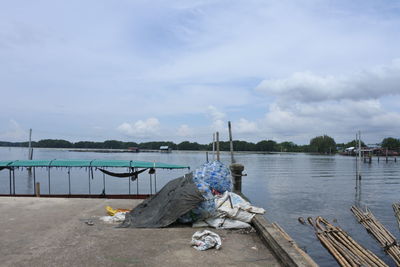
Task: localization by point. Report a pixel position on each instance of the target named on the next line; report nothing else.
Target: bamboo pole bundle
(396, 208)
(346, 251)
(381, 234)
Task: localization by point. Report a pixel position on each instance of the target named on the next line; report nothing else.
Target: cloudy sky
(179, 70)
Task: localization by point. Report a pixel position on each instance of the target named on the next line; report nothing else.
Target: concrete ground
(54, 232)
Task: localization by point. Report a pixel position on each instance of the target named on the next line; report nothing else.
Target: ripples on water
(287, 185)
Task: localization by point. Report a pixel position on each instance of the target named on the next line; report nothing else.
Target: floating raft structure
(88, 163)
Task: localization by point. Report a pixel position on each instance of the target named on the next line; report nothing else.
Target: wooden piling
(231, 142)
(217, 137)
(37, 189)
(237, 173)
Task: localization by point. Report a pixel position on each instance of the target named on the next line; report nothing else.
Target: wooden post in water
(217, 138)
(387, 155)
(237, 173)
(231, 142)
(213, 146)
(357, 167)
(359, 154)
(30, 152)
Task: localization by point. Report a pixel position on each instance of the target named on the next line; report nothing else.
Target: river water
(287, 185)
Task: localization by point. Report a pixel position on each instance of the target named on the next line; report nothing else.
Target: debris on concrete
(116, 218)
(89, 222)
(203, 240)
(111, 211)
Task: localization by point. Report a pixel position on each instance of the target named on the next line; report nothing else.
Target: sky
(180, 70)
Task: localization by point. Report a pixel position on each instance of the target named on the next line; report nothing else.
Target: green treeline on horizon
(319, 144)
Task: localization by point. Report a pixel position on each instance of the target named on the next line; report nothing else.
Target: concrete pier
(54, 232)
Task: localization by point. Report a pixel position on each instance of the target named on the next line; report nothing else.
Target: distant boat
(165, 149)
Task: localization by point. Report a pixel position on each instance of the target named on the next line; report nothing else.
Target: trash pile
(114, 215)
(203, 198)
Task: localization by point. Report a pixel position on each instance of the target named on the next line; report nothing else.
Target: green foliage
(266, 145)
(114, 144)
(323, 144)
(88, 144)
(186, 145)
(244, 146)
(50, 143)
(319, 144)
(391, 143)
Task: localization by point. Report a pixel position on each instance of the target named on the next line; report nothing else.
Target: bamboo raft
(396, 208)
(346, 251)
(379, 232)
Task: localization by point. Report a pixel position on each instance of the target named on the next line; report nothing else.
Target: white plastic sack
(117, 218)
(226, 223)
(203, 240)
(235, 207)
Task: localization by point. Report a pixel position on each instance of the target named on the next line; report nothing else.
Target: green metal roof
(89, 163)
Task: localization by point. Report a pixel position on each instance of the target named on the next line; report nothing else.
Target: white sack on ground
(226, 223)
(233, 212)
(203, 240)
(235, 207)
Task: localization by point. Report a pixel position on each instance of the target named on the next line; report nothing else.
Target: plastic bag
(203, 240)
(116, 218)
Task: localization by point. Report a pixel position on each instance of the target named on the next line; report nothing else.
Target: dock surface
(54, 232)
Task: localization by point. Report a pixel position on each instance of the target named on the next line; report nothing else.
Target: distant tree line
(320, 144)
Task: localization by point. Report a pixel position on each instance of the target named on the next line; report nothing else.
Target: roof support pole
(34, 180)
(49, 178)
(155, 182)
(151, 185)
(14, 182)
(69, 180)
(129, 183)
(90, 192)
(104, 183)
(137, 184)
(10, 183)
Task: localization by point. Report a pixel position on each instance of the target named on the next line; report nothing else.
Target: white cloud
(309, 87)
(340, 119)
(244, 126)
(218, 122)
(140, 128)
(14, 132)
(185, 131)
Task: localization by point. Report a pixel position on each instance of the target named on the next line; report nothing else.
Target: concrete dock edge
(285, 249)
